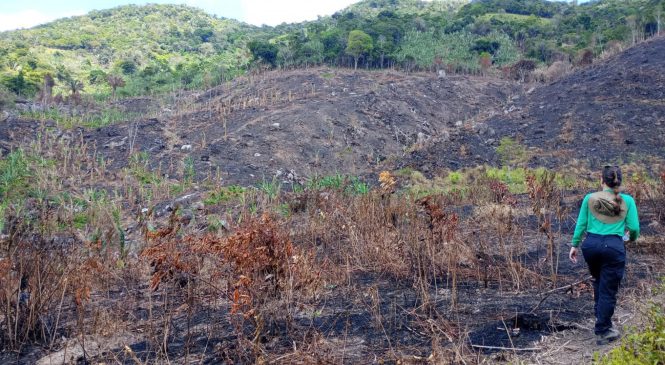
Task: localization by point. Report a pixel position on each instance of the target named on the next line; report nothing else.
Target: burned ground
(299, 124)
(612, 111)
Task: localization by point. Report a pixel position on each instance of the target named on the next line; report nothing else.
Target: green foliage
(515, 178)
(511, 152)
(127, 67)
(641, 346)
(189, 172)
(270, 188)
(357, 187)
(139, 168)
(96, 77)
(455, 177)
(126, 40)
(14, 175)
(20, 82)
(349, 184)
(159, 48)
(264, 51)
(97, 119)
(6, 98)
(224, 194)
(334, 182)
(359, 44)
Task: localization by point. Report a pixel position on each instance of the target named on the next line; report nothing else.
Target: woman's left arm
(632, 220)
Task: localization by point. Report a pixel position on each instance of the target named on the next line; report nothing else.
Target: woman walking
(605, 216)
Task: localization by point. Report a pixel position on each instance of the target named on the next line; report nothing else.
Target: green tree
(359, 43)
(267, 52)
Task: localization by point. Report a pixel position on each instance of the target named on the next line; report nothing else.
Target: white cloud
(29, 18)
(273, 12)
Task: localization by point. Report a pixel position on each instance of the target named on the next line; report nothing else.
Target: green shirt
(586, 222)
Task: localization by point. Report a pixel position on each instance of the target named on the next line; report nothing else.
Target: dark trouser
(606, 257)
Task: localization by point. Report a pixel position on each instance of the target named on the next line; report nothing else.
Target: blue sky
(21, 14)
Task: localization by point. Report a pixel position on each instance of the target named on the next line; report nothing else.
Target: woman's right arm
(582, 220)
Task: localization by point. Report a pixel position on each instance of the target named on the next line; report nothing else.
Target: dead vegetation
(328, 274)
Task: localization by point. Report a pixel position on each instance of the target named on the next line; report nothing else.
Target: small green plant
(511, 152)
(335, 182)
(284, 210)
(224, 194)
(14, 174)
(515, 178)
(270, 188)
(80, 220)
(357, 187)
(455, 177)
(189, 172)
(140, 169)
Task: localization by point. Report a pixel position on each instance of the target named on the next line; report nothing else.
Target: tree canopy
(157, 48)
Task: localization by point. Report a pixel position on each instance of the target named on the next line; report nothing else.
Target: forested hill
(150, 46)
(156, 48)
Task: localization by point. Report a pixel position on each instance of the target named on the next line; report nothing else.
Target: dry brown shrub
(612, 48)
(40, 276)
(557, 70)
(584, 57)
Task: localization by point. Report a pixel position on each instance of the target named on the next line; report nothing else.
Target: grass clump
(224, 194)
(350, 184)
(14, 173)
(140, 169)
(515, 178)
(99, 119)
(511, 152)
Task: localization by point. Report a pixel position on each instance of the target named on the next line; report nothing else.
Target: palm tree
(75, 86)
(115, 82)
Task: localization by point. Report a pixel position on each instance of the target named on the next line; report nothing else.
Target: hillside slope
(154, 45)
(298, 124)
(611, 112)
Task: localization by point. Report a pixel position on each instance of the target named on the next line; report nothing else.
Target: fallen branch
(567, 286)
(506, 348)
(549, 292)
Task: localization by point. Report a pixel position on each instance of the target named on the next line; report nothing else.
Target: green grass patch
(224, 194)
(140, 169)
(80, 220)
(335, 182)
(515, 178)
(517, 19)
(89, 120)
(270, 188)
(511, 152)
(349, 184)
(14, 175)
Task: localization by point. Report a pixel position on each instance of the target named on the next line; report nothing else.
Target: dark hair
(612, 178)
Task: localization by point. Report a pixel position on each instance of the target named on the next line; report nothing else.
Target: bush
(6, 98)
